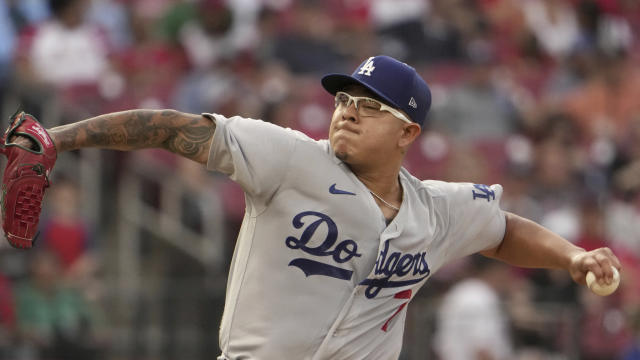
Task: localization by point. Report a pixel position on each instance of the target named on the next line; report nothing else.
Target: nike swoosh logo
(333, 190)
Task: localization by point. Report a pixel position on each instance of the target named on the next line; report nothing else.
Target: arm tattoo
(187, 135)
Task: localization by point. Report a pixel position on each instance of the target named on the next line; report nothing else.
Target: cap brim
(337, 82)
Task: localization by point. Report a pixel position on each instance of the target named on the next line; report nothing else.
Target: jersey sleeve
(253, 153)
(475, 220)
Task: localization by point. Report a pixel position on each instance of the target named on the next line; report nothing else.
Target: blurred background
(542, 96)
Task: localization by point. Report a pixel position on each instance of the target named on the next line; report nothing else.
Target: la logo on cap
(367, 68)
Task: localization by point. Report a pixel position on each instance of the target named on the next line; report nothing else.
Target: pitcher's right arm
(187, 135)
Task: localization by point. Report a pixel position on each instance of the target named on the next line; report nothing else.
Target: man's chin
(342, 151)
(343, 156)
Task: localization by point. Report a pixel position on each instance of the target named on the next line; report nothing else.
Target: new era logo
(412, 103)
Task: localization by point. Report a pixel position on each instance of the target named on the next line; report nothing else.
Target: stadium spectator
(307, 45)
(64, 54)
(607, 102)
(477, 109)
(151, 67)
(54, 321)
(471, 321)
(64, 231)
(554, 25)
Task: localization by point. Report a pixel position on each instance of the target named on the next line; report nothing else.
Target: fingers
(600, 262)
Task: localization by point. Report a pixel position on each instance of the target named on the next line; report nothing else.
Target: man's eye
(371, 105)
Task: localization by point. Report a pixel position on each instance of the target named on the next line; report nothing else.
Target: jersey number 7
(405, 294)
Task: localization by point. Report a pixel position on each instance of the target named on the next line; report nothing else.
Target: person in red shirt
(64, 231)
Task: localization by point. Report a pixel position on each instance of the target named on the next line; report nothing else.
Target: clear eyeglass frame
(367, 106)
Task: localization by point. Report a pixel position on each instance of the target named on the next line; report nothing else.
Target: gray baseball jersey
(317, 273)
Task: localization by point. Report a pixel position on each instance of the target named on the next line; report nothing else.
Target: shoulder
(255, 125)
(267, 134)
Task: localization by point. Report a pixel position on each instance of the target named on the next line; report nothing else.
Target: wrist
(57, 137)
(573, 257)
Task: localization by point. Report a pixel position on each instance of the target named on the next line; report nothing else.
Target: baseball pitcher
(337, 237)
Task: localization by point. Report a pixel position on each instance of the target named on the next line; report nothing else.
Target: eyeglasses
(367, 106)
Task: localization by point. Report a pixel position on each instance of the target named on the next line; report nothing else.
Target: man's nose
(350, 113)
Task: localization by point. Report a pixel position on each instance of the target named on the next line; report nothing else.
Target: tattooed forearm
(187, 135)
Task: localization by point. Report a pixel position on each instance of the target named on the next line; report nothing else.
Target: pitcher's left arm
(528, 244)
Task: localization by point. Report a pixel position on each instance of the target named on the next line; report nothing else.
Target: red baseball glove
(25, 178)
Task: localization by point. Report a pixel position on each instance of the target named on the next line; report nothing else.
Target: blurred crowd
(542, 96)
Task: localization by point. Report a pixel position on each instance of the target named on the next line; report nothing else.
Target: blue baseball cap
(393, 81)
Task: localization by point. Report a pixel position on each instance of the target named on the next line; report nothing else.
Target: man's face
(360, 138)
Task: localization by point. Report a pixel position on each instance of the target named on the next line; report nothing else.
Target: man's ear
(409, 134)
